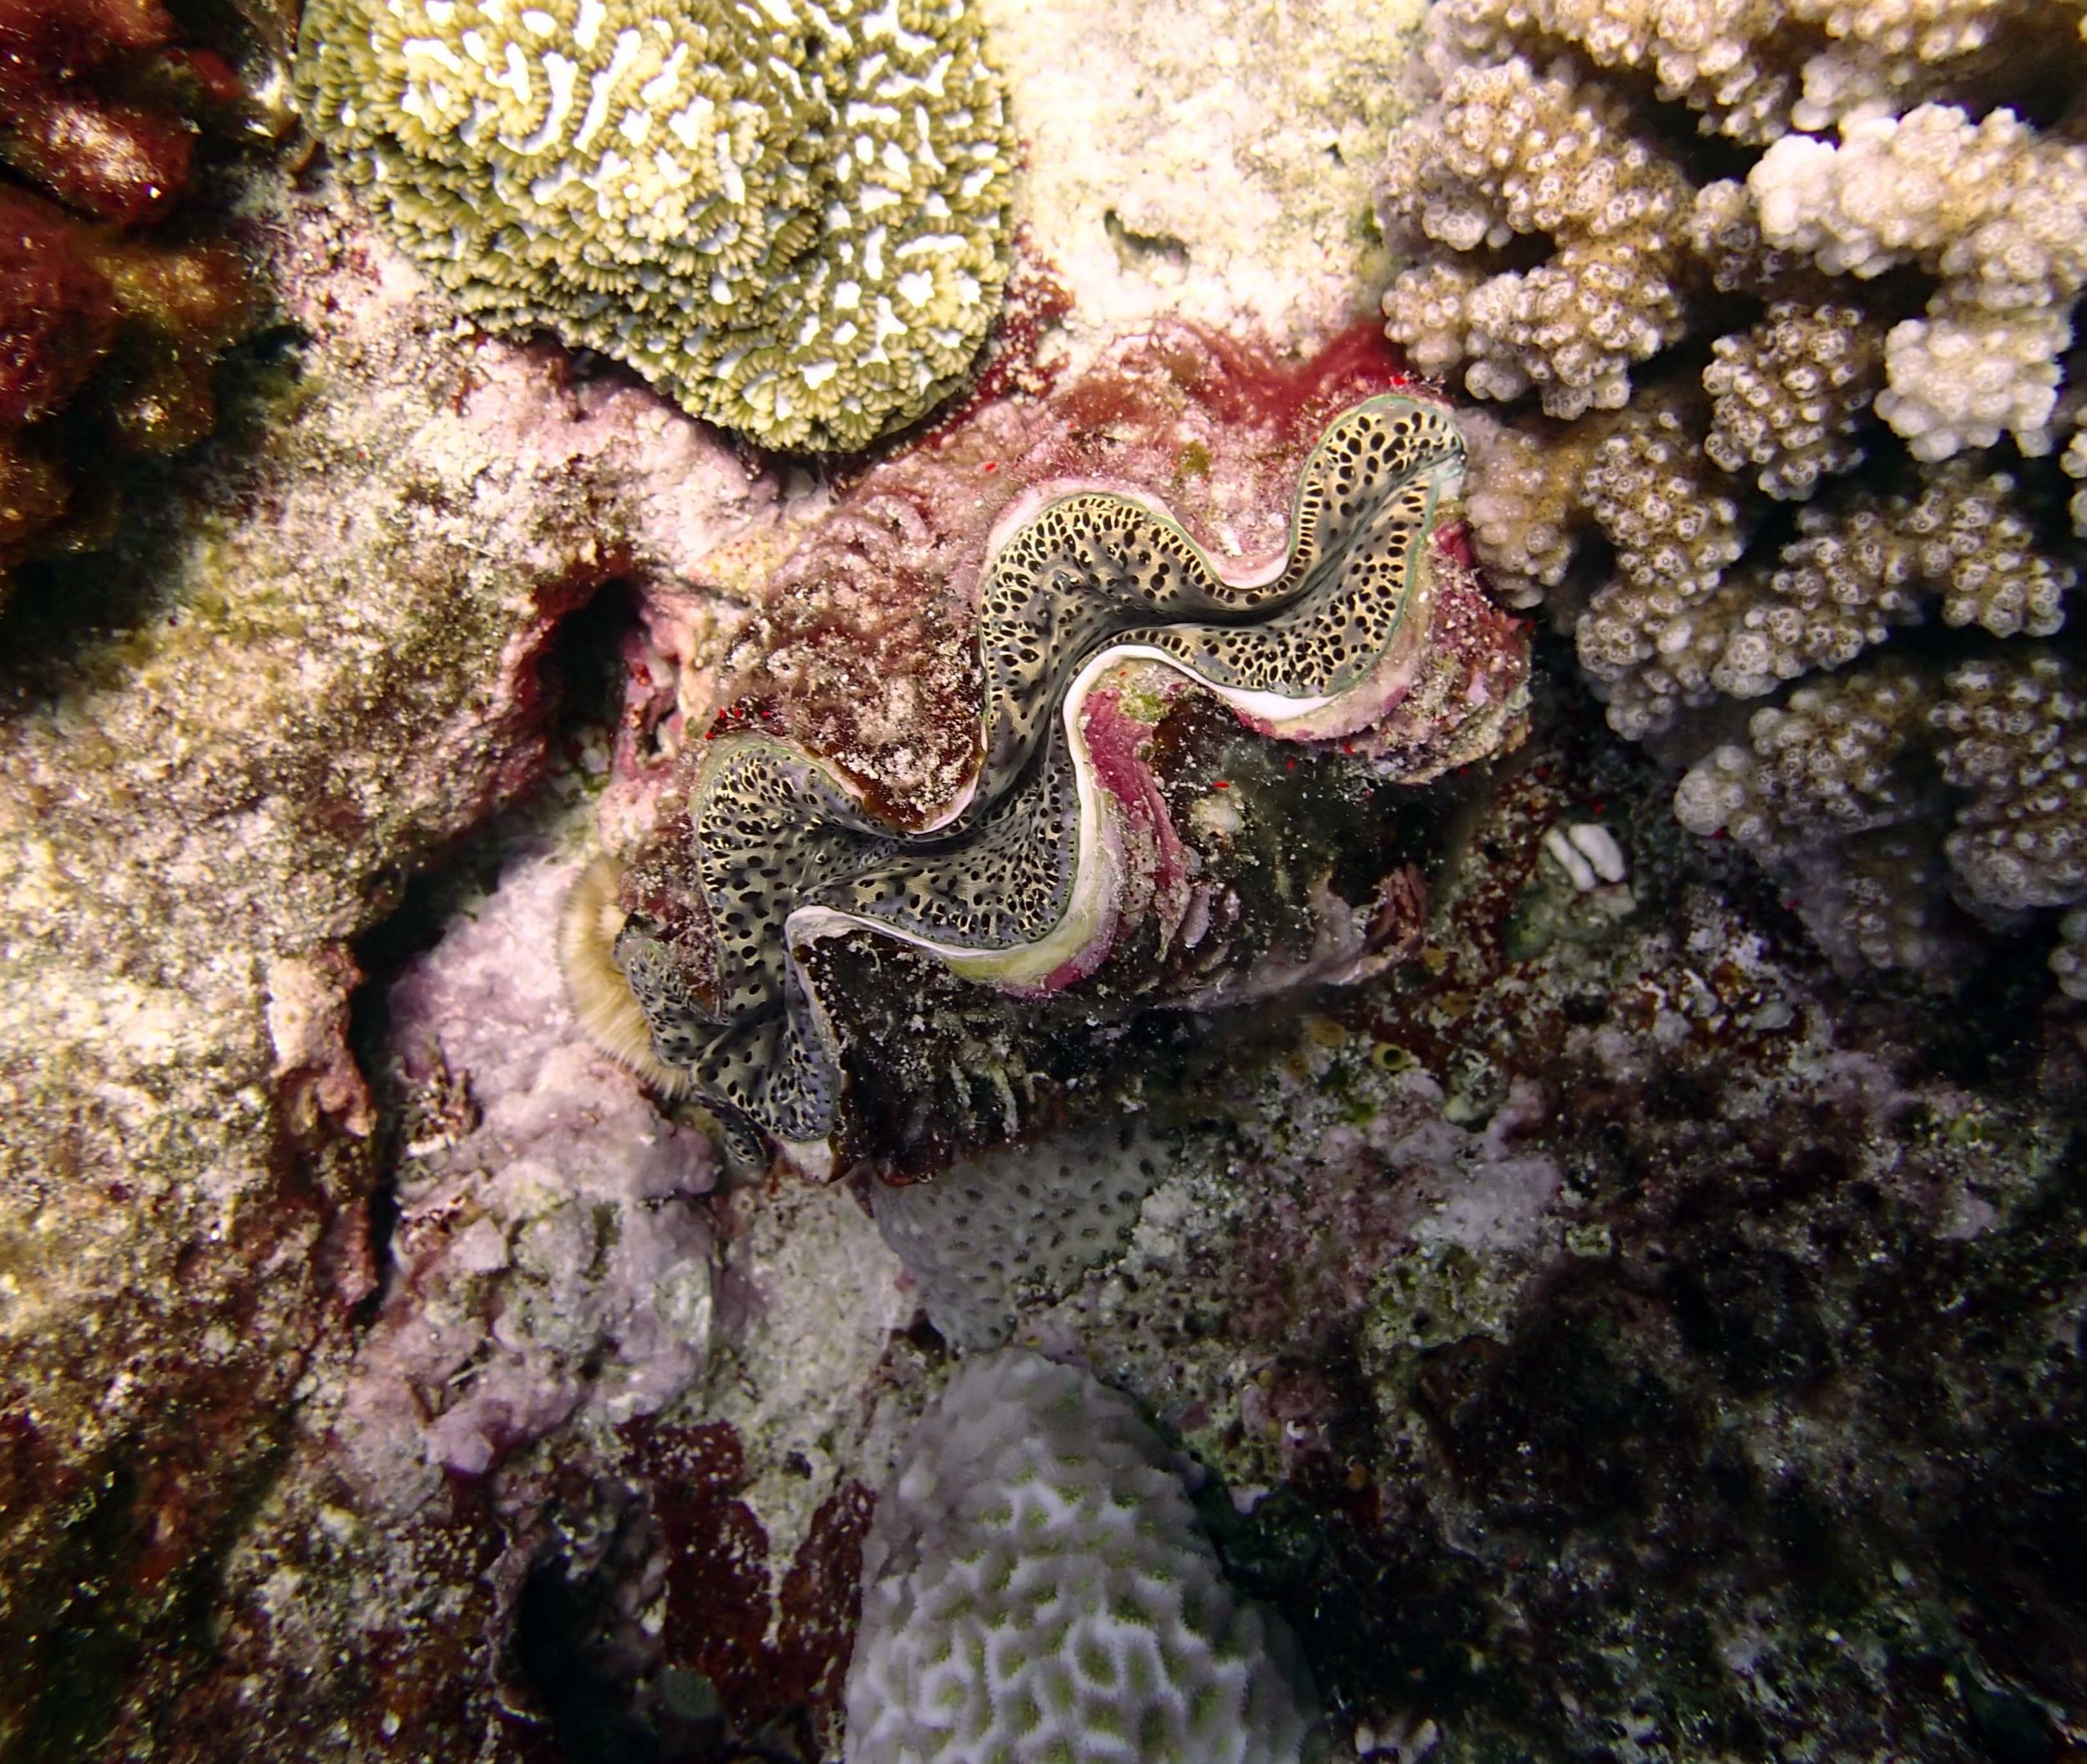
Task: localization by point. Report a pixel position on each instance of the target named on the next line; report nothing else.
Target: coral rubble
(1101, 629)
(550, 1262)
(797, 225)
(1853, 295)
(1034, 1575)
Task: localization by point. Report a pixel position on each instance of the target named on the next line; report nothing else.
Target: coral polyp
(1098, 613)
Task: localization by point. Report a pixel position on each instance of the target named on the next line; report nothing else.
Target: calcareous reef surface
(966, 878)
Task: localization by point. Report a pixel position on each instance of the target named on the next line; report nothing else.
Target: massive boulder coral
(1855, 296)
(793, 219)
(1131, 830)
(1035, 1585)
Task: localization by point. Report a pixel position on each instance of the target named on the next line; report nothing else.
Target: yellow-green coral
(792, 217)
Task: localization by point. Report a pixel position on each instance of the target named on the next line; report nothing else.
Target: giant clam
(1097, 856)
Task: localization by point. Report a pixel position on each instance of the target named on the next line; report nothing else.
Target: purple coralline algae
(548, 1261)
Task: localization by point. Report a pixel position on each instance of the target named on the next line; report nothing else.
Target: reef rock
(264, 711)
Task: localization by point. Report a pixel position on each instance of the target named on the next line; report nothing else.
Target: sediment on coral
(796, 224)
(1776, 403)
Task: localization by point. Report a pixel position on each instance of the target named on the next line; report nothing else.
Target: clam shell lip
(1253, 570)
(1067, 951)
(1334, 644)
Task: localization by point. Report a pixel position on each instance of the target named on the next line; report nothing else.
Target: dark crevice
(582, 678)
(1144, 248)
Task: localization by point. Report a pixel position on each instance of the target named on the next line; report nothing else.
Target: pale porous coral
(997, 1233)
(1992, 209)
(1789, 396)
(1751, 69)
(1858, 568)
(2075, 463)
(792, 219)
(1842, 322)
(1612, 202)
(1035, 1585)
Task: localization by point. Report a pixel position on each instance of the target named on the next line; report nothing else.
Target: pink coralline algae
(1145, 764)
(552, 1261)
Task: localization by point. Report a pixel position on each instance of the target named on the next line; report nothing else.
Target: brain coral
(1035, 1587)
(1771, 403)
(792, 217)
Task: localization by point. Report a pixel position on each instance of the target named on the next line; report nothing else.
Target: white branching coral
(1886, 794)
(1035, 1586)
(1789, 397)
(1859, 569)
(1513, 152)
(2075, 464)
(1997, 213)
(1859, 300)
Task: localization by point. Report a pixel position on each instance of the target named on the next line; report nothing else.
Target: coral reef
(1854, 295)
(548, 1262)
(1603, 1334)
(1846, 785)
(795, 225)
(1063, 860)
(1034, 1574)
(281, 691)
(115, 302)
(102, 104)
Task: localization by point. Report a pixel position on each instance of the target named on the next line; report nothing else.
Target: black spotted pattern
(777, 833)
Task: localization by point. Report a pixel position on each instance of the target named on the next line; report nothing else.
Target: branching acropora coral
(792, 217)
(1859, 300)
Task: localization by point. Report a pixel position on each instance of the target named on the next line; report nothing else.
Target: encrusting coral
(1035, 1585)
(1855, 297)
(1002, 1231)
(792, 219)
